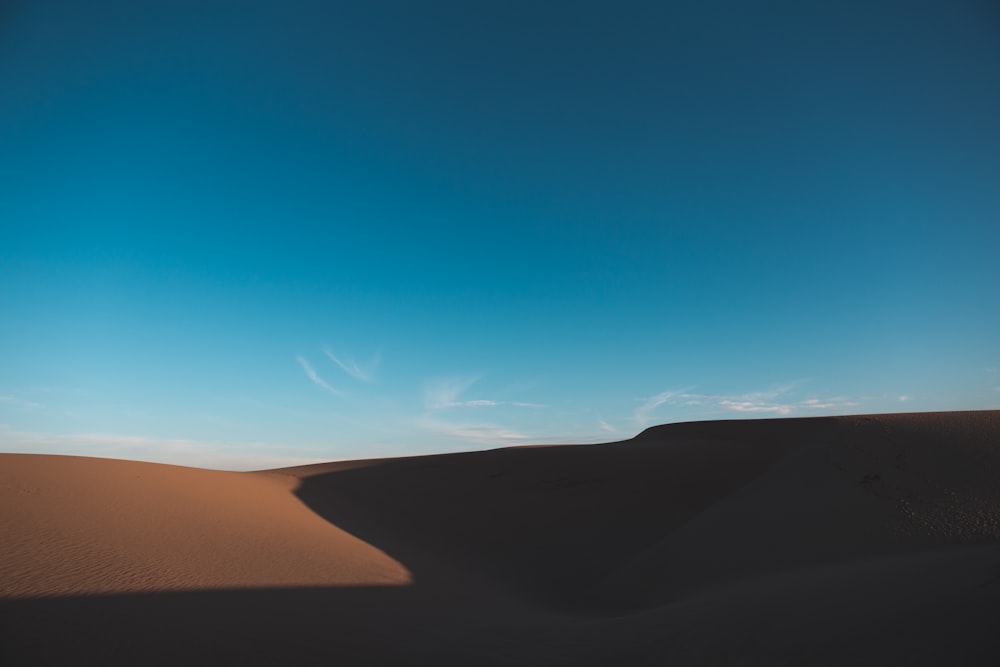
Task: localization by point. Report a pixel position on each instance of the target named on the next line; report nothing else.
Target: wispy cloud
(446, 393)
(10, 399)
(486, 403)
(176, 451)
(605, 426)
(364, 373)
(775, 401)
(480, 434)
(754, 406)
(312, 375)
(642, 413)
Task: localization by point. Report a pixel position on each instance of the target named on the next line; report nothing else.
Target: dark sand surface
(865, 540)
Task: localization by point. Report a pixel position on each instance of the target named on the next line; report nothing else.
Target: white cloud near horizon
(312, 375)
(478, 403)
(760, 402)
(16, 401)
(171, 451)
(751, 406)
(642, 413)
(481, 434)
(605, 426)
(444, 393)
(348, 365)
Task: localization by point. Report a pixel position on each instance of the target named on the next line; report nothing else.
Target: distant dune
(863, 540)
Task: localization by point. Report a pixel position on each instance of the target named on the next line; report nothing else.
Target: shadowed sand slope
(848, 540)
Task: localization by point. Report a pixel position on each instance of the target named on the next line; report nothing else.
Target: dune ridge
(830, 540)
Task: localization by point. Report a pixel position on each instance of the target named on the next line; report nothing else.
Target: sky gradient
(244, 235)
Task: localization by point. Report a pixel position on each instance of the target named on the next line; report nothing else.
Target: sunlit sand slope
(76, 525)
(826, 541)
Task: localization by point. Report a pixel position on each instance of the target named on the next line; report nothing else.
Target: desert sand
(863, 540)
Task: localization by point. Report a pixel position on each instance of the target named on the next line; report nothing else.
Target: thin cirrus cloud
(643, 412)
(483, 434)
(364, 373)
(178, 451)
(16, 401)
(314, 376)
(605, 426)
(755, 406)
(761, 402)
(446, 393)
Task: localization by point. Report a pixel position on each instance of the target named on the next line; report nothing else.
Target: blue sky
(252, 234)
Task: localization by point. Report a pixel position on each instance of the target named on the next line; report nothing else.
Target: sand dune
(84, 525)
(826, 541)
